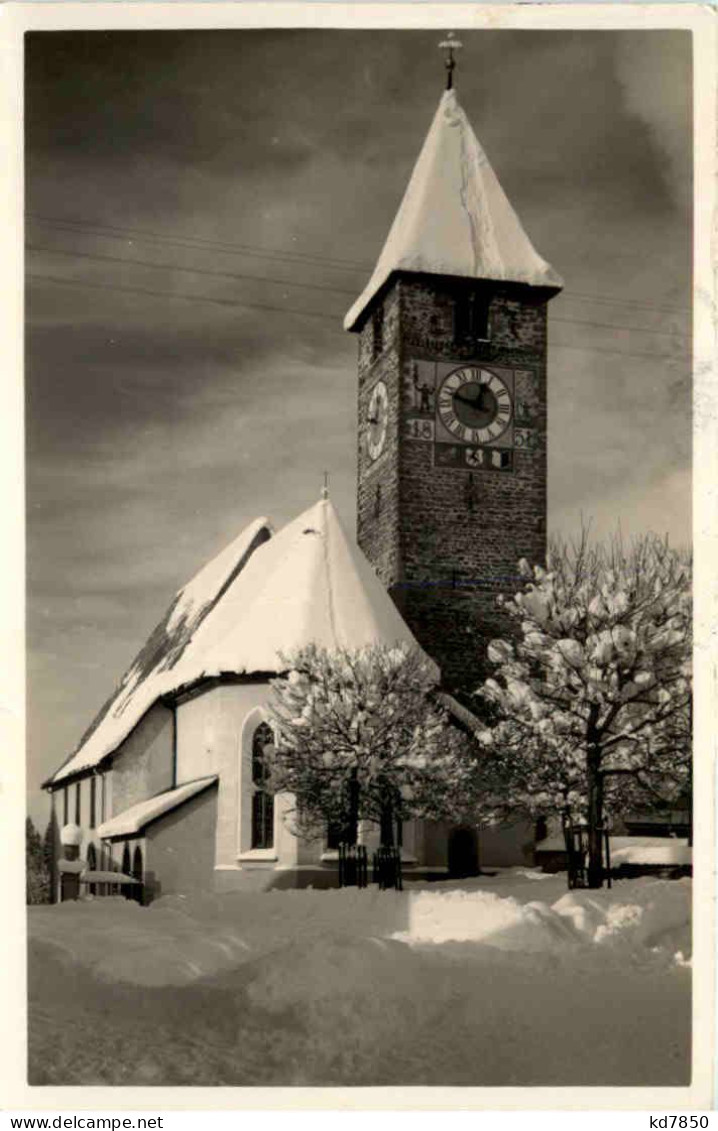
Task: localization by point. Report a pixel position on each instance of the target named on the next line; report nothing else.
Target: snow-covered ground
(492, 981)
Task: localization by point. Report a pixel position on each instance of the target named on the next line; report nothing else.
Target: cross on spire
(450, 45)
(325, 488)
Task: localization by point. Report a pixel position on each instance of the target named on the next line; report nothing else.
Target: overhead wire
(177, 295)
(110, 231)
(194, 243)
(237, 275)
(335, 320)
(245, 277)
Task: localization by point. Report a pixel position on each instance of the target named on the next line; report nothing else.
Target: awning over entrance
(134, 819)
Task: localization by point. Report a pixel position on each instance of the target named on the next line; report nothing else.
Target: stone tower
(452, 400)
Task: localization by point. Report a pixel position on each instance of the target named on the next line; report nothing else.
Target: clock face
(377, 419)
(475, 405)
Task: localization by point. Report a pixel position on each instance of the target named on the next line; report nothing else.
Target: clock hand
(474, 402)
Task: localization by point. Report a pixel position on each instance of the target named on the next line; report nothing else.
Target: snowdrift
(436, 985)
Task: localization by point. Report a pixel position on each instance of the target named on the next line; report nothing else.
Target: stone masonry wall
(462, 533)
(378, 481)
(449, 540)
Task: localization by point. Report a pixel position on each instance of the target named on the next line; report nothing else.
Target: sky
(202, 207)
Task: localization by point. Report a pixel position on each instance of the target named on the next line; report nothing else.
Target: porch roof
(133, 820)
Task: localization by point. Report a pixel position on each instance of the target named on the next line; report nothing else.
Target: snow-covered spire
(455, 218)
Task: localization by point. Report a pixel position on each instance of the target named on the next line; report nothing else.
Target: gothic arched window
(262, 799)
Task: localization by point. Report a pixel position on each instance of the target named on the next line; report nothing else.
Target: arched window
(137, 872)
(262, 799)
(126, 869)
(108, 865)
(92, 865)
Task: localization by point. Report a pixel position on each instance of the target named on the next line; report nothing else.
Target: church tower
(452, 400)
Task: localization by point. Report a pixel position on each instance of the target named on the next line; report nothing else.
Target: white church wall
(73, 805)
(504, 846)
(106, 807)
(180, 848)
(431, 844)
(142, 766)
(209, 733)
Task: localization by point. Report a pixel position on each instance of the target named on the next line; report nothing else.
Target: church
(166, 789)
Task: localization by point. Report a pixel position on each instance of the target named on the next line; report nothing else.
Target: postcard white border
(15, 20)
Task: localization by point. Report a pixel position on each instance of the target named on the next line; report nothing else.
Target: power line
(582, 296)
(243, 277)
(177, 294)
(195, 242)
(111, 231)
(664, 357)
(334, 319)
(189, 270)
(615, 326)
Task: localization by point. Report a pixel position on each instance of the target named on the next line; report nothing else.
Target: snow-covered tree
(361, 736)
(50, 846)
(37, 877)
(594, 691)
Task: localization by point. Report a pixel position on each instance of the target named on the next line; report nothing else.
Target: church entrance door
(463, 852)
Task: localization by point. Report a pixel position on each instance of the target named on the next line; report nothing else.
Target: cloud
(656, 504)
(654, 72)
(157, 426)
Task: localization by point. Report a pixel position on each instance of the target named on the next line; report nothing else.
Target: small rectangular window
(65, 806)
(377, 331)
(78, 805)
(93, 801)
(471, 316)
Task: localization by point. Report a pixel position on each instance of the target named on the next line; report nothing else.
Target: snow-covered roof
(669, 852)
(262, 598)
(151, 673)
(101, 876)
(633, 849)
(134, 819)
(455, 218)
(310, 584)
